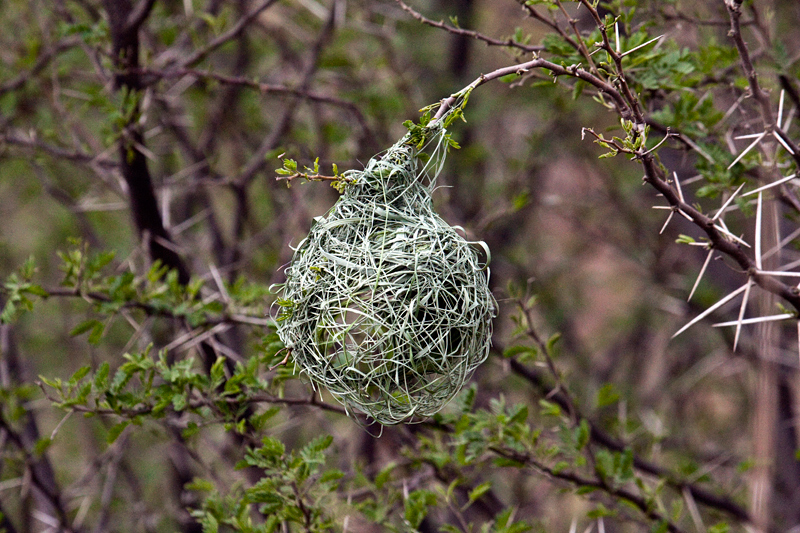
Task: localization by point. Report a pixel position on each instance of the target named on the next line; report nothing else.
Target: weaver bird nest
(385, 304)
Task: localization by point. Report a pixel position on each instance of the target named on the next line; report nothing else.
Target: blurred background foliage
(586, 414)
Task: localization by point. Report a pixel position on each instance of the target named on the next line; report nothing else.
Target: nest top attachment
(385, 304)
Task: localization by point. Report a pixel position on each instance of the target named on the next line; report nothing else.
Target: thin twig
(509, 43)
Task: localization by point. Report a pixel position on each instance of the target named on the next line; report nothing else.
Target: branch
(574, 71)
(158, 311)
(76, 156)
(232, 33)
(257, 160)
(200, 403)
(509, 43)
(259, 86)
(600, 437)
(139, 14)
(42, 62)
(38, 467)
(629, 108)
(133, 163)
(573, 479)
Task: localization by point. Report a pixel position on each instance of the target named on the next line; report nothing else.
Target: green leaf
(81, 373)
(599, 512)
(384, 475)
(513, 351)
(479, 491)
(607, 395)
(41, 446)
(97, 333)
(549, 408)
(551, 343)
(83, 327)
(115, 431)
(36, 290)
(416, 506)
(719, 527)
(101, 376)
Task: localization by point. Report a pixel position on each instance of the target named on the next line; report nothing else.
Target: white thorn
(642, 45)
(756, 320)
(711, 309)
(730, 235)
(700, 275)
(770, 185)
(727, 203)
(678, 186)
(669, 217)
(758, 140)
(780, 273)
(742, 309)
(758, 231)
(783, 143)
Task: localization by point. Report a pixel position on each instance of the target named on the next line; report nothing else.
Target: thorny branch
(629, 108)
(760, 95)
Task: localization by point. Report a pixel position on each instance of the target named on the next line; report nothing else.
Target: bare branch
(509, 43)
(139, 14)
(232, 33)
(41, 63)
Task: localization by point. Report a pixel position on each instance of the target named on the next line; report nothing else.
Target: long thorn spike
(678, 186)
(770, 185)
(711, 309)
(742, 309)
(700, 275)
(750, 147)
(755, 320)
(758, 231)
(669, 217)
(727, 202)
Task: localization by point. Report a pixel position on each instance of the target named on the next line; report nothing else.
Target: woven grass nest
(385, 305)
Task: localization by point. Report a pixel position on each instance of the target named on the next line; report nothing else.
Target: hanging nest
(385, 304)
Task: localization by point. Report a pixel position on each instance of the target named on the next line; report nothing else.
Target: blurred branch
(265, 88)
(75, 156)
(550, 23)
(232, 33)
(38, 468)
(160, 311)
(597, 483)
(133, 162)
(43, 60)
(509, 43)
(761, 96)
(138, 15)
(272, 140)
(600, 437)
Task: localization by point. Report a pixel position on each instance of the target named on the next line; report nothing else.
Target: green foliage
(295, 488)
